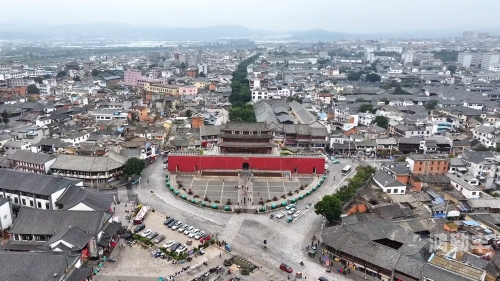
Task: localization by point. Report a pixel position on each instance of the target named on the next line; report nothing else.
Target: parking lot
(137, 260)
(267, 190)
(214, 190)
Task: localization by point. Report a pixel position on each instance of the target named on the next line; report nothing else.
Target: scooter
(302, 263)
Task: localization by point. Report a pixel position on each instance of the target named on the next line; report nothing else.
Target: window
(47, 206)
(23, 201)
(251, 133)
(39, 205)
(233, 132)
(241, 132)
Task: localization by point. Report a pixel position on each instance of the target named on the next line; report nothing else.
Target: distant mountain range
(37, 31)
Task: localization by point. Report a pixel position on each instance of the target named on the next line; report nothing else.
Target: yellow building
(160, 88)
(200, 83)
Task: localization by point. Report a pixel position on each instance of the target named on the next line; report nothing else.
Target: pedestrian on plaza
(220, 255)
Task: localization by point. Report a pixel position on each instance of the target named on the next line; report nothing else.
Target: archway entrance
(246, 166)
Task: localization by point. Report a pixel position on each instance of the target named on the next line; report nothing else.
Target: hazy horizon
(353, 16)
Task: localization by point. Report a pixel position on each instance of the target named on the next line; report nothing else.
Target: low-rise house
(388, 183)
(5, 214)
(31, 162)
(469, 191)
(485, 135)
(33, 190)
(92, 170)
(17, 145)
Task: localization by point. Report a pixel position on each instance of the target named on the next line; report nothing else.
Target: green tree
(431, 105)
(189, 113)
(32, 89)
(61, 74)
(367, 107)
(452, 69)
(5, 116)
(446, 55)
(353, 76)
(478, 118)
(243, 113)
(77, 78)
(38, 80)
(295, 98)
(372, 77)
(330, 207)
(202, 74)
(183, 66)
(133, 166)
(95, 72)
(482, 147)
(381, 121)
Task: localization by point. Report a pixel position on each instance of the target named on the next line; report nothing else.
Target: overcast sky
(360, 16)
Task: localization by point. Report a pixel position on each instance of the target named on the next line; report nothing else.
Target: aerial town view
(250, 140)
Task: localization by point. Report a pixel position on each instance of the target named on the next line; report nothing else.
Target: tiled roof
(89, 163)
(33, 183)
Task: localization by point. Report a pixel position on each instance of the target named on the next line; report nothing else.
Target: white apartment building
(108, 114)
(484, 134)
(495, 67)
(258, 94)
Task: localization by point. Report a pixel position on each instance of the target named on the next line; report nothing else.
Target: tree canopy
(367, 107)
(446, 55)
(189, 113)
(331, 205)
(32, 89)
(95, 72)
(38, 80)
(133, 166)
(431, 105)
(452, 69)
(241, 93)
(354, 76)
(61, 74)
(381, 121)
(372, 77)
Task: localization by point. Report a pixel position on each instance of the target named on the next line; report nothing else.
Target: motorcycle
(301, 263)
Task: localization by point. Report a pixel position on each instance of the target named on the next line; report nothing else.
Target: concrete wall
(193, 163)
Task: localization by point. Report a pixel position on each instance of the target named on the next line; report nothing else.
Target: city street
(246, 232)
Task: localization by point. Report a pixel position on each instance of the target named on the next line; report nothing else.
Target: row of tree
(331, 205)
(370, 77)
(241, 93)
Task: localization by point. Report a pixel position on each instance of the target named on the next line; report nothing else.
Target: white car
(188, 230)
(199, 234)
(181, 248)
(182, 228)
(169, 244)
(193, 232)
(177, 225)
(297, 214)
(146, 233)
(291, 211)
(280, 215)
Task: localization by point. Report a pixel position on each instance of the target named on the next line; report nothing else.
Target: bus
(347, 170)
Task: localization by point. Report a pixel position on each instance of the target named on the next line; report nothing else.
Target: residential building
(160, 88)
(131, 77)
(467, 190)
(258, 94)
(428, 164)
(108, 114)
(33, 190)
(200, 82)
(485, 135)
(5, 214)
(38, 163)
(488, 59)
(388, 183)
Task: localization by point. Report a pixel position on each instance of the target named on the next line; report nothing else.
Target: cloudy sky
(360, 16)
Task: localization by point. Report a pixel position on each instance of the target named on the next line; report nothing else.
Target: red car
(205, 238)
(286, 268)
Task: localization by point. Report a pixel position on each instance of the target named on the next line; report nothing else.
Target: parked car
(177, 225)
(139, 228)
(290, 206)
(152, 235)
(181, 248)
(159, 239)
(280, 215)
(297, 214)
(193, 232)
(175, 246)
(291, 211)
(168, 221)
(169, 244)
(205, 238)
(200, 233)
(271, 216)
(172, 223)
(335, 161)
(188, 230)
(286, 267)
(182, 228)
(146, 233)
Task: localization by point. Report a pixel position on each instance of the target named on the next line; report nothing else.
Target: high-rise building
(470, 35)
(488, 59)
(131, 77)
(467, 59)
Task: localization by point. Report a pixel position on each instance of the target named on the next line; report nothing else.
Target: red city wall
(193, 163)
